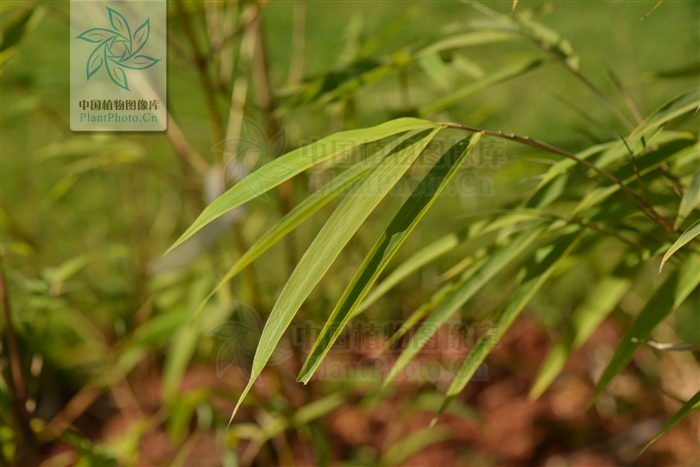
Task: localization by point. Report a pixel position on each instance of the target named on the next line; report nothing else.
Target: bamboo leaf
(435, 300)
(414, 442)
(340, 227)
(496, 262)
(301, 212)
(468, 39)
(684, 103)
(536, 276)
(467, 90)
(272, 174)
(585, 319)
(692, 232)
(416, 261)
(412, 211)
(665, 300)
(690, 406)
(690, 200)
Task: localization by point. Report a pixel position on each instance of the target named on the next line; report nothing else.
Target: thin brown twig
(18, 381)
(647, 209)
(636, 167)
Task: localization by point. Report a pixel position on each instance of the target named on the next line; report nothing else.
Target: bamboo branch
(647, 208)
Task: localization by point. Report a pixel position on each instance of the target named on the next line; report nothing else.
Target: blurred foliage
(104, 363)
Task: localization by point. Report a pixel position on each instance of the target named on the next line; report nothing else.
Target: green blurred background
(116, 376)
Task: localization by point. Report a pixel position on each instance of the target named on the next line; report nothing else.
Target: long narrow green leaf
(499, 260)
(627, 174)
(416, 261)
(439, 248)
(688, 407)
(272, 174)
(412, 211)
(536, 276)
(412, 443)
(600, 302)
(665, 300)
(364, 196)
(692, 232)
(468, 39)
(302, 211)
(442, 294)
(467, 90)
(684, 103)
(690, 200)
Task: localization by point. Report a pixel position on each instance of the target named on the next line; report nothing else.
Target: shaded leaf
(585, 319)
(14, 30)
(690, 200)
(476, 280)
(692, 232)
(665, 300)
(469, 89)
(690, 406)
(536, 276)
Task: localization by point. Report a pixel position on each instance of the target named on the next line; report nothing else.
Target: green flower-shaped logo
(118, 49)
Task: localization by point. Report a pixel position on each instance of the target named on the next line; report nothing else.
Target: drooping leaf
(14, 29)
(364, 196)
(690, 406)
(469, 89)
(585, 319)
(535, 277)
(665, 300)
(684, 103)
(301, 212)
(435, 300)
(692, 232)
(435, 68)
(416, 261)
(413, 210)
(495, 263)
(277, 171)
(690, 200)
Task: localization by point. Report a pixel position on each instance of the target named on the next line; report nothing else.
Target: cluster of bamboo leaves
(639, 189)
